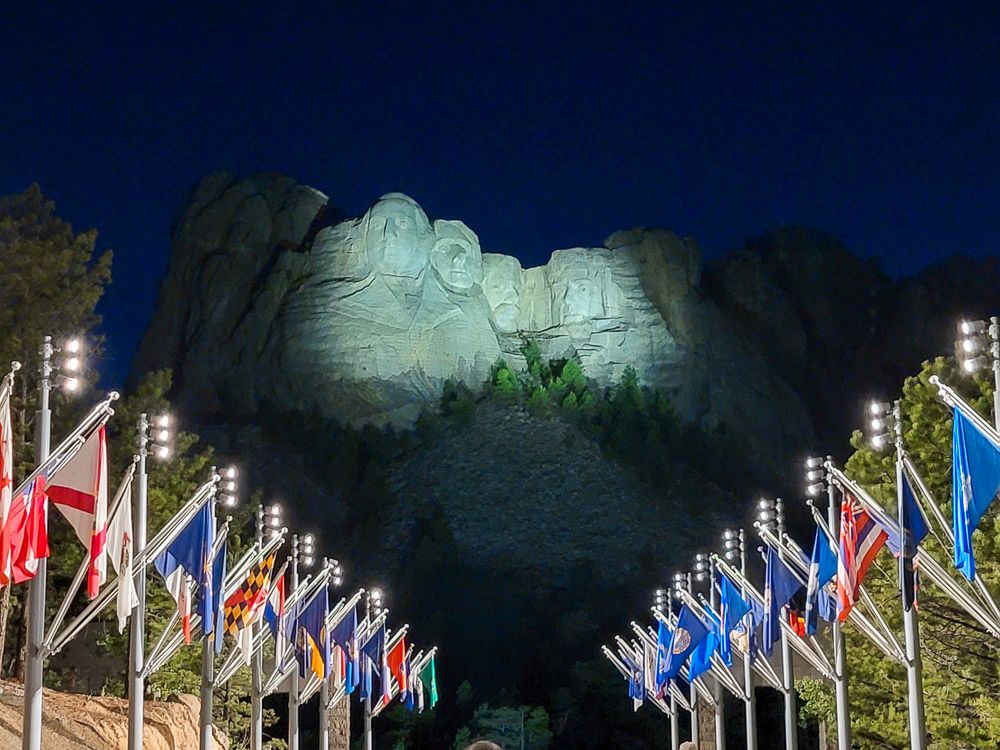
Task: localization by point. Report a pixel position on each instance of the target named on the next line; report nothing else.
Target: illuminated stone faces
(397, 236)
(456, 257)
(577, 279)
(503, 280)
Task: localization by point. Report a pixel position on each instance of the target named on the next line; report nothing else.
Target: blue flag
(216, 625)
(733, 609)
(975, 480)
(662, 649)
(780, 585)
(822, 568)
(345, 635)
(312, 648)
(688, 634)
(701, 657)
(914, 527)
(371, 659)
(191, 550)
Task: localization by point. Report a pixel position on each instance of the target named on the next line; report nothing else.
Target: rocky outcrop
(85, 722)
(270, 301)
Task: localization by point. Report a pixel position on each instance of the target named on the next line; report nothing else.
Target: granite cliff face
(271, 299)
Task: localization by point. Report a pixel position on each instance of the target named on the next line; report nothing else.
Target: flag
(975, 480)
(914, 529)
(688, 633)
(660, 678)
(649, 667)
(188, 556)
(733, 608)
(345, 636)
(418, 688)
(780, 585)
(428, 677)
(80, 491)
(119, 542)
(312, 647)
(860, 540)
(274, 606)
(635, 686)
(411, 686)
(822, 568)
(25, 538)
(245, 603)
(213, 628)
(396, 660)
(701, 657)
(371, 658)
(6, 475)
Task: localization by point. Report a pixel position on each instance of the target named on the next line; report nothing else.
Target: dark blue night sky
(540, 125)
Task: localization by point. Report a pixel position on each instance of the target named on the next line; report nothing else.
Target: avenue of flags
(688, 652)
(238, 606)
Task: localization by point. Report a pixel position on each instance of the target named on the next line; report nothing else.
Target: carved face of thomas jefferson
(456, 257)
(398, 236)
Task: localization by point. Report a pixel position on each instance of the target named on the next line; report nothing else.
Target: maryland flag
(242, 607)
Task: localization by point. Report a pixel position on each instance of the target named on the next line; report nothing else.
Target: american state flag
(861, 538)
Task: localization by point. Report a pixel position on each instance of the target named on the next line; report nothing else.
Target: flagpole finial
(15, 366)
(114, 396)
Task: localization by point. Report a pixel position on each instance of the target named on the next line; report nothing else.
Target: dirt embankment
(85, 722)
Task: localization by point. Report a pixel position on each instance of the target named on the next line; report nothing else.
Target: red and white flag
(80, 491)
(25, 540)
(119, 541)
(6, 474)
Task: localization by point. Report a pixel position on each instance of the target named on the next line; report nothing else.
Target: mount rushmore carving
(269, 301)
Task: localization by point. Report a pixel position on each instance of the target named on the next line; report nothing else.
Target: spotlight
(73, 346)
(230, 472)
(879, 442)
(162, 452)
(162, 421)
(970, 327)
(71, 384)
(815, 490)
(72, 364)
(975, 364)
(229, 500)
(815, 462)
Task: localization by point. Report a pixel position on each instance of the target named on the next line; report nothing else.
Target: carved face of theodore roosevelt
(398, 236)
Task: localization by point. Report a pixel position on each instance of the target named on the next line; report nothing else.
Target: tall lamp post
(60, 374)
(771, 515)
(704, 572)
(682, 583)
(153, 437)
(268, 525)
(887, 430)
(818, 482)
(302, 554)
(734, 547)
(373, 608)
(336, 578)
(662, 600)
(225, 492)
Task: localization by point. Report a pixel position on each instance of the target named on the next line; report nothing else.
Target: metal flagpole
(137, 624)
(293, 678)
(911, 628)
(720, 695)
(695, 734)
(750, 707)
(207, 663)
(257, 666)
(675, 728)
(839, 642)
(787, 668)
(31, 735)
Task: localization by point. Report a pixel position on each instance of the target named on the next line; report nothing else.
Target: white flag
(119, 544)
(80, 491)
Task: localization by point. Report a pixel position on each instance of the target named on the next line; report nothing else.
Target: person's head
(398, 235)
(483, 745)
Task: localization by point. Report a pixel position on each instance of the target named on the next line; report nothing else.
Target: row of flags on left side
(79, 490)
